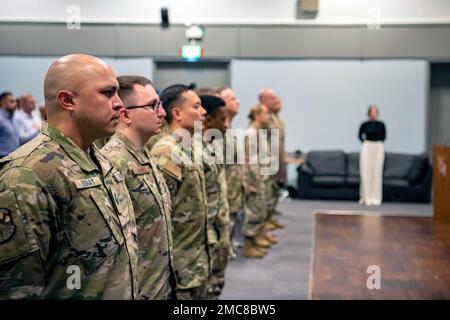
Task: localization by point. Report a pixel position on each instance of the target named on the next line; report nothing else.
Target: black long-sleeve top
(372, 131)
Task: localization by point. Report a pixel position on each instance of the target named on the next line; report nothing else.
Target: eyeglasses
(154, 106)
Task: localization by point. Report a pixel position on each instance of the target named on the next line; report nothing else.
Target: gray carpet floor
(284, 273)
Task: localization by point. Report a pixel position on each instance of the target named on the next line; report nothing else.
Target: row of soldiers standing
(126, 221)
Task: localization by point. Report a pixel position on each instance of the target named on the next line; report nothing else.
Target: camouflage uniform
(186, 183)
(100, 143)
(61, 208)
(272, 188)
(165, 130)
(152, 206)
(218, 221)
(255, 203)
(234, 175)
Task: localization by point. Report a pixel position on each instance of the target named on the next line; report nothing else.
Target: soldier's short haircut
(173, 95)
(211, 104)
(126, 86)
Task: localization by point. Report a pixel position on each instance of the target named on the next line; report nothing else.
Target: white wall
(227, 11)
(132, 66)
(325, 101)
(26, 74)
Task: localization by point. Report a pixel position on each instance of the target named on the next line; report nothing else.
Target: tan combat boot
(261, 241)
(268, 225)
(249, 250)
(273, 239)
(275, 223)
(262, 250)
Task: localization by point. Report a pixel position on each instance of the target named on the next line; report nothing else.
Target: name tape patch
(88, 183)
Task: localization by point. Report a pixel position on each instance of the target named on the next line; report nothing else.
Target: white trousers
(371, 162)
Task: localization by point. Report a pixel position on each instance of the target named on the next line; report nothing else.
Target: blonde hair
(370, 108)
(255, 111)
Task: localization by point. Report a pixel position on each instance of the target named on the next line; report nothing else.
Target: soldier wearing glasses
(139, 120)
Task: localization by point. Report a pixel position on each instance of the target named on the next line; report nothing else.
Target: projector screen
(325, 101)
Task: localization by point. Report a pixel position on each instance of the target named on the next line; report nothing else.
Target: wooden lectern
(441, 184)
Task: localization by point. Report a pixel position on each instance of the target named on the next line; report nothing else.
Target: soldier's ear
(124, 115)
(208, 122)
(66, 99)
(176, 113)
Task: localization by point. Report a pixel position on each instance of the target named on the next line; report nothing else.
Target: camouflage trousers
(272, 193)
(255, 213)
(196, 293)
(219, 256)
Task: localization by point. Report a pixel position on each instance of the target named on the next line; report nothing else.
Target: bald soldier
(67, 228)
(186, 181)
(269, 98)
(139, 120)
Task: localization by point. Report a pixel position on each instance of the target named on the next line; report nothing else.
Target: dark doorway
(204, 74)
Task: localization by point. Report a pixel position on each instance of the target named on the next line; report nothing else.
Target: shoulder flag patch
(7, 226)
(169, 167)
(140, 170)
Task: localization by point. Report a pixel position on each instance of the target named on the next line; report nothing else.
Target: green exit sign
(191, 52)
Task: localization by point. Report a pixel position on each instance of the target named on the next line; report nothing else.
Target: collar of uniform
(105, 165)
(252, 126)
(179, 153)
(175, 142)
(152, 160)
(138, 154)
(72, 150)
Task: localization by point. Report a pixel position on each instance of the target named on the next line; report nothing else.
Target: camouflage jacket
(152, 208)
(186, 183)
(275, 122)
(234, 175)
(67, 227)
(217, 199)
(165, 130)
(252, 169)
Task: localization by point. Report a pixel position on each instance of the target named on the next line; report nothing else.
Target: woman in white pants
(372, 134)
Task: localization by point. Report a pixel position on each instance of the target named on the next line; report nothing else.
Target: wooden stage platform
(412, 253)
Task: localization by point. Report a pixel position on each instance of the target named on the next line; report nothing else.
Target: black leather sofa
(335, 175)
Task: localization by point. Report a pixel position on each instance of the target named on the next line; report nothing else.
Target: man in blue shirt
(27, 120)
(9, 137)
